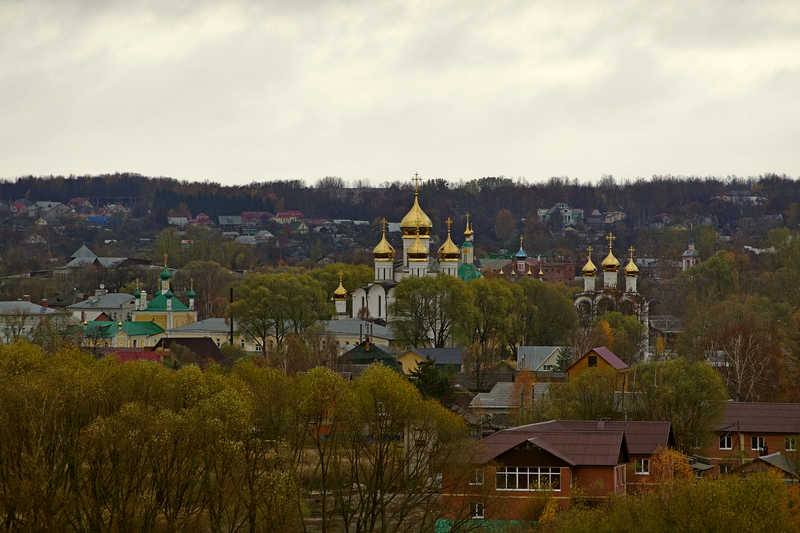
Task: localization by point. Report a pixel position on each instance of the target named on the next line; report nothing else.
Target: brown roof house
(515, 464)
(754, 429)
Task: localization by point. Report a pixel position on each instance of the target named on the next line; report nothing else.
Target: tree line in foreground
(93, 445)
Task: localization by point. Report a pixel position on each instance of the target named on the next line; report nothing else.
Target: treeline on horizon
(329, 197)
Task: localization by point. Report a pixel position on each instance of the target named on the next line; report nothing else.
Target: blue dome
(521, 254)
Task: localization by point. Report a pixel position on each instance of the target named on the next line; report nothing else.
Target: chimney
(367, 343)
(26, 297)
(44, 302)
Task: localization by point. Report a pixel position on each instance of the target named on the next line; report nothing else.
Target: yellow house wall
(158, 318)
(410, 362)
(582, 365)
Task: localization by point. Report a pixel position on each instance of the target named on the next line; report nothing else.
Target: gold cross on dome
(137, 284)
(631, 251)
(520, 242)
(416, 179)
(340, 277)
(448, 222)
(191, 284)
(610, 238)
(165, 259)
(383, 224)
(590, 250)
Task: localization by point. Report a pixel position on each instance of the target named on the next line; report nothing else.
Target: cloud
(236, 91)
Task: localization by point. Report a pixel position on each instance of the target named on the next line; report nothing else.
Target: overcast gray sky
(240, 91)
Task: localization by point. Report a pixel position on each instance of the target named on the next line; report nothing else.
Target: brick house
(603, 459)
(753, 429)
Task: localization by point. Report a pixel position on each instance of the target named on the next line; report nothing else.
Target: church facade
(594, 301)
(373, 300)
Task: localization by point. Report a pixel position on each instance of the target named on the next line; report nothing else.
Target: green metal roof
(468, 272)
(159, 303)
(105, 329)
(359, 355)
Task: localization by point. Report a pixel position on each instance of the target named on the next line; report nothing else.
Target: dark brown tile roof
(608, 356)
(760, 417)
(576, 447)
(643, 437)
(203, 347)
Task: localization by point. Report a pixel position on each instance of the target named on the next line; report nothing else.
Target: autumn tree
(427, 309)
(689, 396)
(272, 305)
(504, 225)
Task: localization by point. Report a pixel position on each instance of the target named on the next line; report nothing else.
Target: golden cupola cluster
(610, 263)
(384, 251)
(416, 222)
(589, 269)
(449, 251)
(631, 270)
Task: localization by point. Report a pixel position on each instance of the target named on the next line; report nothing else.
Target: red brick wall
(741, 442)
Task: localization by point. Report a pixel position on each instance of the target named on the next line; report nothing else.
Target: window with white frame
(476, 510)
(726, 442)
(790, 444)
(258, 347)
(724, 469)
(642, 467)
(476, 478)
(528, 478)
(757, 443)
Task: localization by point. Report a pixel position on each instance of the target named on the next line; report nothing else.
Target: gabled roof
(361, 355)
(203, 347)
(83, 251)
(111, 300)
(576, 447)
(356, 326)
(503, 396)
(212, 326)
(643, 437)
(441, 356)
(20, 308)
(532, 357)
(159, 303)
(606, 355)
(761, 417)
(105, 329)
(229, 220)
(65, 299)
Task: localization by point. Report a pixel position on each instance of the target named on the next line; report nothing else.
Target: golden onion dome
(449, 251)
(384, 251)
(418, 251)
(416, 220)
(589, 269)
(631, 270)
(610, 263)
(340, 293)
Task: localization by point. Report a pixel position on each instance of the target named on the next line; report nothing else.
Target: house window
(757, 443)
(258, 347)
(476, 478)
(242, 343)
(476, 510)
(134, 343)
(642, 467)
(547, 368)
(592, 360)
(528, 478)
(724, 469)
(790, 444)
(726, 443)
(217, 342)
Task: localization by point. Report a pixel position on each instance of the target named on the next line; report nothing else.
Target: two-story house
(754, 429)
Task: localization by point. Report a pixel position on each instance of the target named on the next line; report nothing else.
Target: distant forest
(483, 198)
